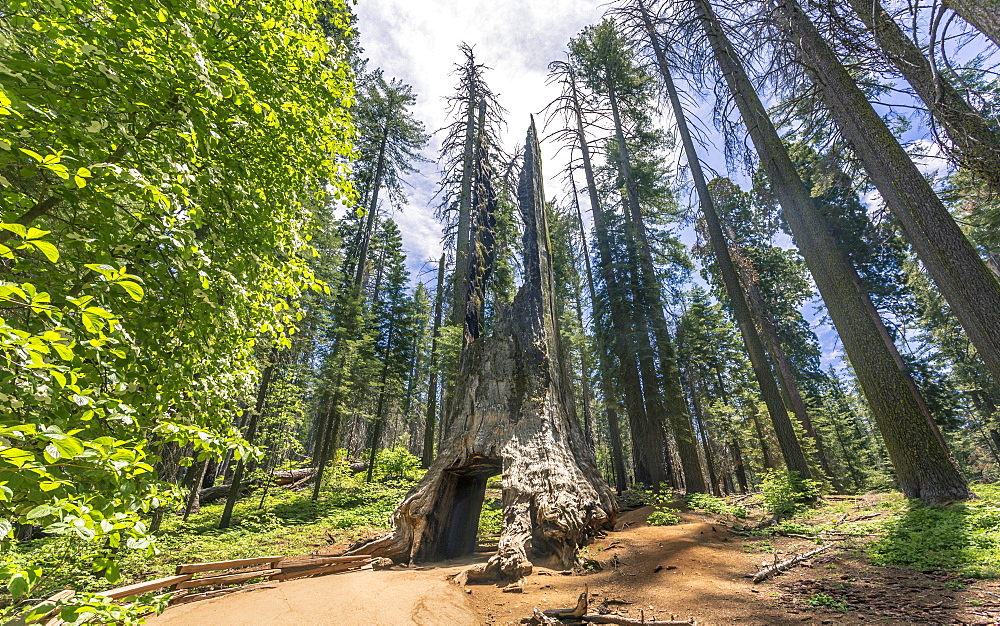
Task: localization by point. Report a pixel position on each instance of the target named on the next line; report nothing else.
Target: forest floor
(695, 569)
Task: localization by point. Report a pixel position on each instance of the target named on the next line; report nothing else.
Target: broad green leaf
(133, 289)
(47, 249)
(70, 447)
(18, 586)
(17, 229)
(33, 154)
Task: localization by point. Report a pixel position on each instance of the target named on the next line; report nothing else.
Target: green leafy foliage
(158, 172)
(785, 493)
(827, 601)
(663, 517)
(960, 536)
(491, 519)
(713, 504)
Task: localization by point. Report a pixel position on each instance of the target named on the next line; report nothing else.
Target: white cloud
(417, 41)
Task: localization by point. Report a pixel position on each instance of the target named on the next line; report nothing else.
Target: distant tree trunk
(265, 383)
(629, 372)
(786, 375)
(925, 470)
(983, 14)
(700, 419)
(326, 438)
(738, 468)
(588, 420)
(432, 392)
(375, 436)
(978, 144)
(210, 474)
(790, 448)
(366, 233)
(606, 366)
(957, 269)
(673, 397)
(515, 409)
(197, 474)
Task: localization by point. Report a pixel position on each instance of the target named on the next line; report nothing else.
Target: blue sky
(417, 41)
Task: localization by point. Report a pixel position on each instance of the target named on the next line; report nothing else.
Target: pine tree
(956, 267)
(923, 466)
(611, 73)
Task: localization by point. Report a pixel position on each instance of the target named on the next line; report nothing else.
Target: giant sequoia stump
(512, 413)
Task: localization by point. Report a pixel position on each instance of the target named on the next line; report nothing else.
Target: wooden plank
(205, 595)
(194, 568)
(146, 587)
(317, 571)
(322, 560)
(227, 578)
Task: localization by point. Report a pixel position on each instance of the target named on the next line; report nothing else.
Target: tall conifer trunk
(432, 388)
(924, 468)
(977, 143)
(631, 386)
(606, 366)
(983, 14)
(790, 448)
(651, 298)
(957, 269)
(366, 233)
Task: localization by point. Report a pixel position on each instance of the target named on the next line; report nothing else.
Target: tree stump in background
(512, 413)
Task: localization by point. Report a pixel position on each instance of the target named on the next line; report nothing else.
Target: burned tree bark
(513, 411)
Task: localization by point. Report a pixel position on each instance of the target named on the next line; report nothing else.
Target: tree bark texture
(983, 14)
(924, 469)
(513, 411)
(954, 264)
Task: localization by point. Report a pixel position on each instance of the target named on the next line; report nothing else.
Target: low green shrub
(491, 520)
(963, 536)
(712, 504)
(827, 601)
(786, 493)
(663, 517)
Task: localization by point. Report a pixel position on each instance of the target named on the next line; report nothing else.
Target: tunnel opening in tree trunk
(460, 523)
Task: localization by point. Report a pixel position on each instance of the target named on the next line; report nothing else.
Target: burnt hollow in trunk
(460, 524)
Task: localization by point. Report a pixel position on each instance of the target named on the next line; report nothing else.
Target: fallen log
(576, 612)
(299, 484)
(626, 621)
(217, 493)
(287, 477)
(777, 568)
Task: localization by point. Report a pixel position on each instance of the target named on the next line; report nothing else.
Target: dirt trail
(385, 598)
(695, 569)
(702, 576)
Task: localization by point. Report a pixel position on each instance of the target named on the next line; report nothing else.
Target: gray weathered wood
(513, 410)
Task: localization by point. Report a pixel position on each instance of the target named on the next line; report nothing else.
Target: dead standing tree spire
(513, 411)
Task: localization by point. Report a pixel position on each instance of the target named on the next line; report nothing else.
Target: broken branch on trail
(766, 573)
(513, 412)
(625, 621)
